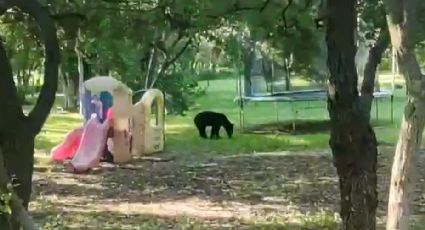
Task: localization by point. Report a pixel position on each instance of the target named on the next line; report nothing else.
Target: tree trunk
(267, 69)
(20, 165)
(287, 75)
(152, 68)
(20, 215)
(17, 131)
(87, 71)
(81, 71)
(26, 81)
(18, 79)
(353, 141)
(401, 17)
(68, 90)
(70, 93)
(249, 57)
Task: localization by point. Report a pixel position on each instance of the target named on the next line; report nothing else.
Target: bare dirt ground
(260, 191)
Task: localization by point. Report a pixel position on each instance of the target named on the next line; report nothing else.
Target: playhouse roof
(103, 83)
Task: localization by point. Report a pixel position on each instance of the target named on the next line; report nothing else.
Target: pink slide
(67, 149)
(92, 145)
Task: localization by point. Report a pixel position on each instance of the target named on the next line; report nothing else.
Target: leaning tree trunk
(370, 81)
(17, 131)
(401, 17)
(352, 140)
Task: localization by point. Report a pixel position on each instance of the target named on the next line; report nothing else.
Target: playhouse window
(154, 116)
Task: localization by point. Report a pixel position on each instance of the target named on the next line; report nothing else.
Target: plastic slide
(69, 146)
(92, 145)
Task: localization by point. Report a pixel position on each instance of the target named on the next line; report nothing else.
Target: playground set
(113, 125)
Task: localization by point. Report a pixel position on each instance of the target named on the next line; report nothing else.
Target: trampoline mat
(306, 95)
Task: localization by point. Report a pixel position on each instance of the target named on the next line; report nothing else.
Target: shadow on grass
(302, 127)
(268, 186)
(264, 182)
(48, 219)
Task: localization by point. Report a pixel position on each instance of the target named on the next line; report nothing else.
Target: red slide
(67, 149)
(92, 145)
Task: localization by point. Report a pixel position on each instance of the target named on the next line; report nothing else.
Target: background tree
(375, 34)
(403, 18)
(24, 51)
(17, 131)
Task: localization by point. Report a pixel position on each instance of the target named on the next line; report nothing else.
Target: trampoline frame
(287, 96)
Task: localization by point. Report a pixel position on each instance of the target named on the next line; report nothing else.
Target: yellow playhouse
(145, 120)
(148, 133)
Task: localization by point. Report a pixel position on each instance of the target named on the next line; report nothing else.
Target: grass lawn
(182, 137)
(277, 180)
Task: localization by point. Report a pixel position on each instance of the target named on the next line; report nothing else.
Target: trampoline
(293, 97)
(248, 89)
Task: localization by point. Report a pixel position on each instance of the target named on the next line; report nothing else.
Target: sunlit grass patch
(55, 129)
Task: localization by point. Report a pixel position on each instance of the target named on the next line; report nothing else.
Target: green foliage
(117, 37)
(5, 199)
(23, 49)
(179, 90)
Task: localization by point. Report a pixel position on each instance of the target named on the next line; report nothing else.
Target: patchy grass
(258, 191)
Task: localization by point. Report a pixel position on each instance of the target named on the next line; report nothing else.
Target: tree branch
(115, 9)
(284, 10)
(168, 63)
(45, 101)
(63, 15)
(369, 72)
(10, 106)
(171, 61)
(266, 3)
(236, 7)
(374, 59)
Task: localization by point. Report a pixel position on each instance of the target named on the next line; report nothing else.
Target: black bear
(215, 120)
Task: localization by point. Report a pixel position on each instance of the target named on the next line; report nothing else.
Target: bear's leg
(201, 130)
(215, 132)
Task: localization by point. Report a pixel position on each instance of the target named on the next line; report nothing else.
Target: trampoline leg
(376, 109)
(293, 116)
(241, 115)
(276, 111)
(392, 108)
(243, 120)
